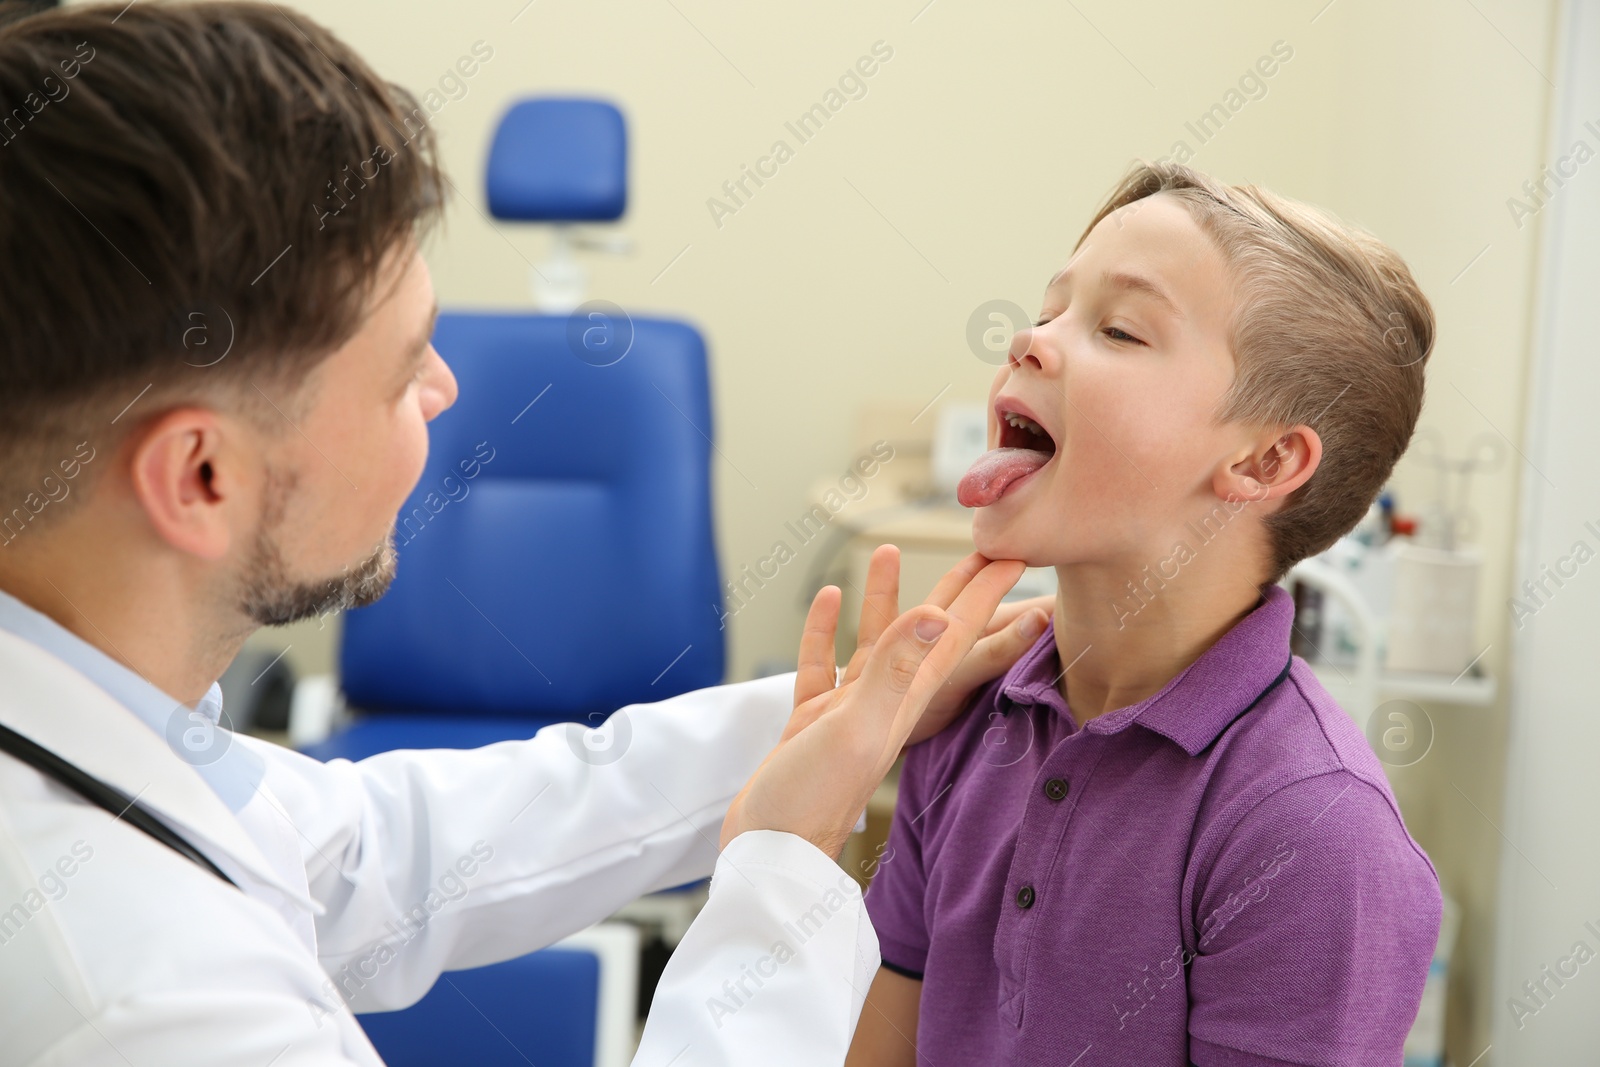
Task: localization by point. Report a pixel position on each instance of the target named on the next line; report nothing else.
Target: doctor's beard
(271, 597)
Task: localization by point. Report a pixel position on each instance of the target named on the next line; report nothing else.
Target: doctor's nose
(439, 387)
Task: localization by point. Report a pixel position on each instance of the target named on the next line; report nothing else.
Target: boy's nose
(1021, 342)
(1026, 349)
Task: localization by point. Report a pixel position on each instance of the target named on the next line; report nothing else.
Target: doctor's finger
(991, 656)
(892, 668)
(980, 598)
(967, 617)
(956, 579)
(918, 653)
(817, 672)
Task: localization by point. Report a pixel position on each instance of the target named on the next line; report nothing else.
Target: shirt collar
(234, 774)
(1032, 679)
(1201, 701)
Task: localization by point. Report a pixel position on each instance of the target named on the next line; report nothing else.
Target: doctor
(229, 902)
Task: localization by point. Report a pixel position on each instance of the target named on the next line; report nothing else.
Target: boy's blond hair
(1331, 331)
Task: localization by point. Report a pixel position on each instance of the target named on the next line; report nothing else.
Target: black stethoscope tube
(119, 804)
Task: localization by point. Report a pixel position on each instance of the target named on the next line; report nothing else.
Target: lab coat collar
(55, 706)
(234, 771)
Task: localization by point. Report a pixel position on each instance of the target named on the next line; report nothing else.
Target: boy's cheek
(1157, 435)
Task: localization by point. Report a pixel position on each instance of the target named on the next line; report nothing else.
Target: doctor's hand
(844, 735)
(1009, 633)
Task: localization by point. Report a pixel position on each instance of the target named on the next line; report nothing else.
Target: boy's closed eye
(1116, 333)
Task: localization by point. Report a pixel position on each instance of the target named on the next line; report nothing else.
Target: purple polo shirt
(1217, 875)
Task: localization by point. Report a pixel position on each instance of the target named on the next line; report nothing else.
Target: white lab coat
(379, 875)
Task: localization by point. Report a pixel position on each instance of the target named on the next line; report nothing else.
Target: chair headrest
(559, 160)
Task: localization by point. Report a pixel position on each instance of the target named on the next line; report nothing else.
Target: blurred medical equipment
(1356, 689)
(1422, 603)
(257, 690)
(556, 558)
(1449, 520)
(1419, 578)
(1432, 621)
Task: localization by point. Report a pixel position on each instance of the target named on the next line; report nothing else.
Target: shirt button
(1025, 897)
(1056, 788)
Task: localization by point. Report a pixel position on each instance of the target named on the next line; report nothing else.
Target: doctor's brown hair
(180, 181)
(1330, 330)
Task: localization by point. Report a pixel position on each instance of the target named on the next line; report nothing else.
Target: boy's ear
(1276, 465)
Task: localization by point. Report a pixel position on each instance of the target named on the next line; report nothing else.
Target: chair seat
(538, 1008)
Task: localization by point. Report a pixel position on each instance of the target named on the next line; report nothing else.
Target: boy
(1157, 840)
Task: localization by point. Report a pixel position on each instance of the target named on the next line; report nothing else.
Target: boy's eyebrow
(1138, 283)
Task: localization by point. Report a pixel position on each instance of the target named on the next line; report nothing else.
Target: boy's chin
(1001, 539)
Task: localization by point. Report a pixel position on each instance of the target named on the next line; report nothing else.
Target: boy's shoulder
(1292, 746)
(1301, 770)
(1293, 729)
(1299, 733)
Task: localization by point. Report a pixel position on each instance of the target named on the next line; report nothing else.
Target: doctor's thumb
(897, 657)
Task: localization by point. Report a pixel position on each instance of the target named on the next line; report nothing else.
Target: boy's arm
(886, 1036)
(1316, 921)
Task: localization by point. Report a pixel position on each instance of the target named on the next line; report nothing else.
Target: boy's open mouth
(1024, 447)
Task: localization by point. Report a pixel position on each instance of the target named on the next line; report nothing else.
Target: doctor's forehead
(400, 303)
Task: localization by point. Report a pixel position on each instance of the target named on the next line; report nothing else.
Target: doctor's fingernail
(928, 629)
(1033, 624)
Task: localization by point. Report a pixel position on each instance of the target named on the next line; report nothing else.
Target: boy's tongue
(987, 480)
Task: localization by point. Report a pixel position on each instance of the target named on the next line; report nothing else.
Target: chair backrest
(557, 556)
(556, 559)
(559, 160)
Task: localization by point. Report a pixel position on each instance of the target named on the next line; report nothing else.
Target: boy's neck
(1118, 649)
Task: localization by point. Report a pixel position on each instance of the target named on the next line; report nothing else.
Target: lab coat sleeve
(775, 969)
(426, 861)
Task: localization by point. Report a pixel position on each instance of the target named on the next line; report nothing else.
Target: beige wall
(964, 175)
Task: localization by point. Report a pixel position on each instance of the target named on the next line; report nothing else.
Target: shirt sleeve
(898, 891)
(1314, 928)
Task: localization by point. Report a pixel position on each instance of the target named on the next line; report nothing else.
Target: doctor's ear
(186, 479)
(1276, 465)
